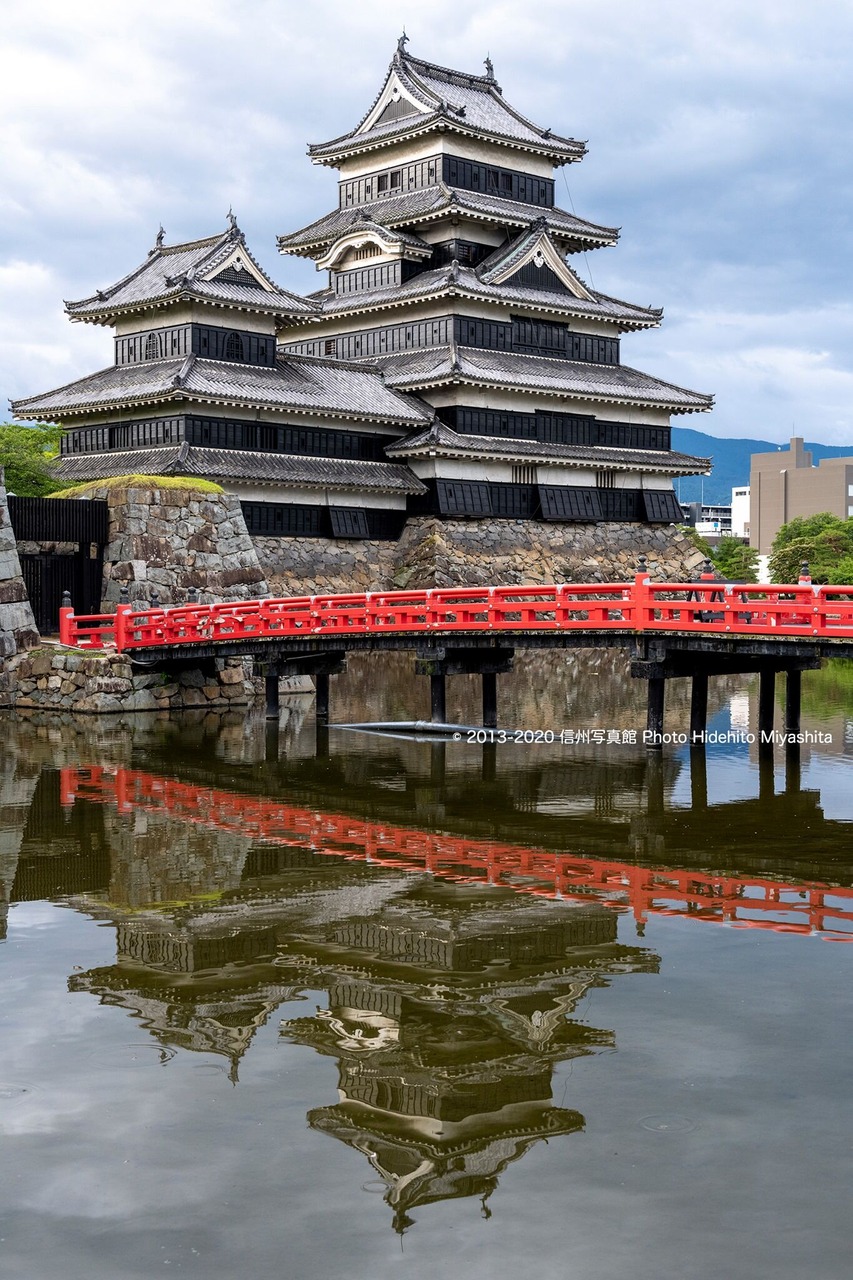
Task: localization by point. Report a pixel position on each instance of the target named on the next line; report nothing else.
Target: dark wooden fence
(59, 520)
(48, 573)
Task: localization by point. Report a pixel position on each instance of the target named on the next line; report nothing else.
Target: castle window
(152, 347)
(605, 479)
(234, 347)
(329, 347)
(524, 475)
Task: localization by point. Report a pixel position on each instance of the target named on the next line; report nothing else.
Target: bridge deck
(791, 620)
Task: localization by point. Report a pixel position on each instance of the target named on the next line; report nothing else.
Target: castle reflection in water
(450, 921)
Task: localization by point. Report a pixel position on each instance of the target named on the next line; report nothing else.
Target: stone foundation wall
(320, 566)
(18, 630)
(54, 679)
(447, 553)
(171, 540)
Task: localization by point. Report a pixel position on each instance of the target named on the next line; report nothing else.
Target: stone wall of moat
(18, 631)
(173, 540)
(446, 553)
(57, 679)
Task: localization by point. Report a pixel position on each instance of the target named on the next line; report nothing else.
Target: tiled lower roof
(425, 204)
(441, 439)
(174, 271)
(464, 281)
(619, 384)
(239, 464)
(294, 382)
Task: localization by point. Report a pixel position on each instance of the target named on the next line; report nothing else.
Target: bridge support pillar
(698, 778)
(654, 712)
(793, 698)
(438, 699)
(766, 706)
(490, 699)
(321, 703)
(439, 663)
(698, 707)
(271, 693)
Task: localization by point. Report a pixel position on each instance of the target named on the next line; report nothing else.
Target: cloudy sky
(719, 140)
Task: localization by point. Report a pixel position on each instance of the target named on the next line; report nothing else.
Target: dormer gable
(239, 268)
(533, 260)
(396, 100)
(369, 240)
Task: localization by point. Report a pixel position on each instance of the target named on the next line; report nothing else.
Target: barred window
(234, 347)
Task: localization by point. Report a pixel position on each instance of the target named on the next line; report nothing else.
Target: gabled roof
(420, 97)
(219, 270)
(243, 464)
(454, 280)
(431, 204)
(438, 439)
(389, 240)
(534, 245)
(612, 384)
(300, 383)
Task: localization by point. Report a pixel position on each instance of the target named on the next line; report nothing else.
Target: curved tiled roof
(439, 438)
(239, 464)
(459, 281)
(306, 383)
(181, 271)
(429, 204)
(617, 384)
(451, 100)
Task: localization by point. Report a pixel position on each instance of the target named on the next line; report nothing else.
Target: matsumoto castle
(454, 367)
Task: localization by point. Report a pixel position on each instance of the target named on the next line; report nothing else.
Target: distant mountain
(731, 462)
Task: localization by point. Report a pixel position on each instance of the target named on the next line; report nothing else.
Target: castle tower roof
(419, 98)
(219, 270)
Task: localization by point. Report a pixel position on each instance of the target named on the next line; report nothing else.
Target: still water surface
(301, 1005)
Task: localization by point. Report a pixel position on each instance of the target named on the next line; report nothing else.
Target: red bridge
(756, 903)
(698, 608)
(687, 629)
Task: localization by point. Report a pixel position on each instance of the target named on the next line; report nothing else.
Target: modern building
(456, 366)
(740, 511)
(786, 484)
(710, 520)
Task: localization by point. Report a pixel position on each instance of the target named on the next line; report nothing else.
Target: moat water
(280, 1002)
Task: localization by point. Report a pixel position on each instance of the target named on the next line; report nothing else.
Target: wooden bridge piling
(793, 699)
(766, 706)
(699, 706)
(654, 711)
(698, 777)
(490, 699)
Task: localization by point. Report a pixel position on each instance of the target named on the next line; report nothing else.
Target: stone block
(231, 675)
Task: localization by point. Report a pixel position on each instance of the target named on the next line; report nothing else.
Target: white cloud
(717, 140)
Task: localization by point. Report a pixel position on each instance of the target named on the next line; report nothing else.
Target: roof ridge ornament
(232, 222)
(490, 70)
(401, 44)
(158, 241)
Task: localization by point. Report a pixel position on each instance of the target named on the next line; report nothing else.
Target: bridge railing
(799, 609)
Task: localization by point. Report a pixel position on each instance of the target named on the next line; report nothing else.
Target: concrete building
(786, 484)
(740, 511)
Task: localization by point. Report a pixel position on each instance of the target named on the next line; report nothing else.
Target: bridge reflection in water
(455, 965)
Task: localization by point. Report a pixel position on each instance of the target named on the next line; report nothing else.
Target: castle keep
(456, 374)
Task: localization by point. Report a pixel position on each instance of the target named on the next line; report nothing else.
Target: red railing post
(120, 626)
(66, 626)
(641, 596)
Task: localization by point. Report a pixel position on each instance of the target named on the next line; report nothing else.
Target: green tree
(735, 560)
(824, 541)
(26, 453)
